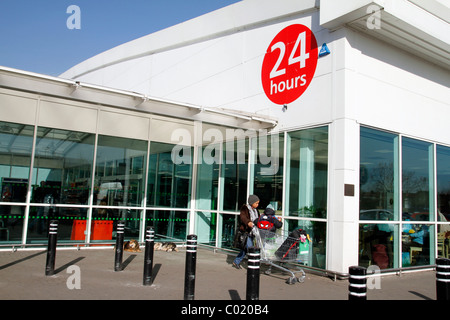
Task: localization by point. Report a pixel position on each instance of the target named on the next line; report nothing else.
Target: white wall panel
(171, 131)
(123, 125)
(399, 92)
(55, 114)
(17, 109)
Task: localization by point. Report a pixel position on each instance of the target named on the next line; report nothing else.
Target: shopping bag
(240, 240)
(303, 252)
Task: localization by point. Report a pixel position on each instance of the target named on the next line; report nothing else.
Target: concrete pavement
(22, 277)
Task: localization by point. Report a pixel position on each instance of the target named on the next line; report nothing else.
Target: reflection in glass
(120, 171)
(443, 200)
(307, 173)
(311, 253)
(443, 241)
(443, 183)
(378, 175)
(417, 242)
(205, 226)
(168, 225)
(16, 141)
(229, 224)
(169, 184)
(69, 220)
(11, 223)
(417, 180)
(62, 166)
(377, 245)
(105, 219)
(234, 172)
(268, 170)
(208, 177)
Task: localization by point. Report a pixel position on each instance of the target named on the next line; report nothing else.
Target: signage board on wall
(289, 64)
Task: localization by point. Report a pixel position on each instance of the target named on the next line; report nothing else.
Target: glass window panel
(443, 183)
(105, 219)
(228, 226)
(377, 245)
(208, 177)
(443, 241)
(268, 170)
(417, 180)
(168, 225)
(110, 213)
(235, 169)
(16, 141)
(62, 166)
(443, 200)
(312, 252)
(120, 168)
(417, 244)
(169, 183)
(11, 223)
(307, 173)
(205, 226)
(133, 219)
(68, 219)
(378, 175)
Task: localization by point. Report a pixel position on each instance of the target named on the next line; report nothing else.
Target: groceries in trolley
(297, 243)
(283, 247)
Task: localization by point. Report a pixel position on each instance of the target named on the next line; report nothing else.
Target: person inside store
(418, 238)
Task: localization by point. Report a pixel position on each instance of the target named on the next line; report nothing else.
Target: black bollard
(191, 260)
(119, 246)
(254, 262)
(442, 279)
(357, 283)
(51, 250)
(148, 255)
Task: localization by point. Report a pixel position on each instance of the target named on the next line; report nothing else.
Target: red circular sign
(289, 64)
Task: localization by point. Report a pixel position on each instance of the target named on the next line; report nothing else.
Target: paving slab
(22, 277)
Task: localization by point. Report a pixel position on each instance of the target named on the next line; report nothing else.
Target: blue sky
(34, 35)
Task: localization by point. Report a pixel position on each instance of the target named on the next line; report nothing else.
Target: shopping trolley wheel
(301, 279)
(291, 280)
(268, 271)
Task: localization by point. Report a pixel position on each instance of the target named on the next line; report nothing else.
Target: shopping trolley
(277, 249)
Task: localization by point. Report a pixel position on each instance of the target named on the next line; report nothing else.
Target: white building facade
(334, 113)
